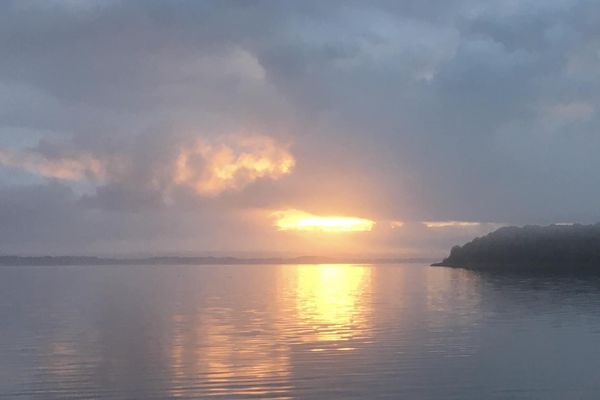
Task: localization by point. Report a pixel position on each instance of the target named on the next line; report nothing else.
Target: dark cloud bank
(394, 110)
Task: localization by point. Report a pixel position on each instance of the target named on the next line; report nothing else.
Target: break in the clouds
(182, 126)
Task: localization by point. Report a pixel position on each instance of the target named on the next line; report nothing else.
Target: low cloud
(564, 113)
(396, 224)
(81, 166)
(450, 224)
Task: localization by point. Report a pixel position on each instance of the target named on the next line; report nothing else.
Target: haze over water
(295, 332)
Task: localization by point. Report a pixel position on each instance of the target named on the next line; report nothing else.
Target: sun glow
(294, 220)
(331, 299)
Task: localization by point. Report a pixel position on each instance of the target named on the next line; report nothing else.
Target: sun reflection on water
(330, 299)
(238, 349)
(230, 359)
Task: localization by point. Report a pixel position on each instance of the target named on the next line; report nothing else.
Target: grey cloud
(409, 110)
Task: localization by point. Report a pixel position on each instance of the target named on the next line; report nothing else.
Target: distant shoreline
(182, 260)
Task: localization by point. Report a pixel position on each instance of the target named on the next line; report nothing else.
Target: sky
(191, 127)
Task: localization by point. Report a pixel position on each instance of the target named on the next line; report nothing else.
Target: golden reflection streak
(228, 361)
(311, 304)
(331, 299)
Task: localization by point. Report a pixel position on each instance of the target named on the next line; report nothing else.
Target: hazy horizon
(259, 255)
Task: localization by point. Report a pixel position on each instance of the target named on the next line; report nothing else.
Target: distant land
(531, 247)
(182, 260)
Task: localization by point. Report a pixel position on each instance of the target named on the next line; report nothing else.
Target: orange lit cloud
(209, 167)
(81, 166)
(231, 164)
(294, 220)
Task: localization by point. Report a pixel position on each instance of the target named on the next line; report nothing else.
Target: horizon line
(73, 260)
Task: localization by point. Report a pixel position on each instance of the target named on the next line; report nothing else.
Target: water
(296, 332)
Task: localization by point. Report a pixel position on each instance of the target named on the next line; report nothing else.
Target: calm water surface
(296, 332)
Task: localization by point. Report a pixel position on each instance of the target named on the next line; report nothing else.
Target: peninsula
(563, 247)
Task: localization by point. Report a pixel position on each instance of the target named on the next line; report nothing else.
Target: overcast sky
(117, 120)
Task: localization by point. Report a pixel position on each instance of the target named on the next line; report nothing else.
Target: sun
(295, 220)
